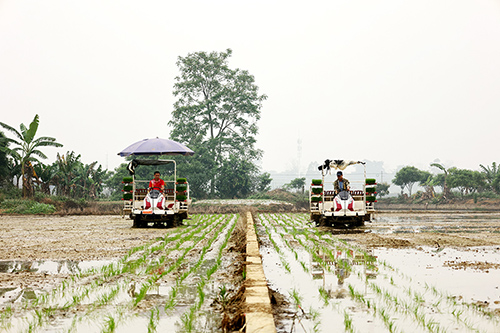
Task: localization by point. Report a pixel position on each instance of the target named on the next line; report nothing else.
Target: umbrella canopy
(156, 146)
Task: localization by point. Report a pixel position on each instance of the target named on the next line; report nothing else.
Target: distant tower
(299, 155)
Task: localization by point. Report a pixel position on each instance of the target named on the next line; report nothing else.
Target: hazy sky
(403, 82)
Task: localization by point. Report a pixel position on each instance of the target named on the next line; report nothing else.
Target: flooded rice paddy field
(404, 272)
(401, 273)
(181, 279)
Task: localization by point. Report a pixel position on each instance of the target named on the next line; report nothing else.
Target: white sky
(403, 82)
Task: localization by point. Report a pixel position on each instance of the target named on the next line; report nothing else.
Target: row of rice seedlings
(287, 243)
(209, 228)
(190, 315)
(430, 324)
(322, 293)
(311, 315)
(127, 264)
(390, 300)
(155, 277)
(379, 311)
(170, 304)
(154, 318)
(109, 271)
(160, 262)
(278, 250)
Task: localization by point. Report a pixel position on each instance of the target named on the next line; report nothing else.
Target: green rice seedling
(348, 322)
(187, 320)
(296, 298)
(110, 325)
(111, 295)
(324, 295)
(457, 313)
(171, 303)
(383, 314)
(418, 298)
(420, 317)
(432, 326)
(201, 294)
(315, 318)
(154, 318)
(39, 315)
(304, 266)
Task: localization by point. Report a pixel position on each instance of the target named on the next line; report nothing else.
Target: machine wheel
(177, 220)
(138, 222)
(323, 222)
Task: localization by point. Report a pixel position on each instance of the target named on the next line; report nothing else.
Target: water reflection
(341, 264)
(49, 266)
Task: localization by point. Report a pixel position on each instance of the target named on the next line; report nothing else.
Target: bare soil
(91, 237)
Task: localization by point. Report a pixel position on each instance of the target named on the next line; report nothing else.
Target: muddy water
(384, 277)
(471, 275)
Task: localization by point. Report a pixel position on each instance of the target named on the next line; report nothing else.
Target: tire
(137, 222)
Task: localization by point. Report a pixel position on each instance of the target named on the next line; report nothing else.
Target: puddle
(50, 266)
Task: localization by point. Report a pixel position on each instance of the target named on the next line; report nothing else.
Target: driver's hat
(339, 173)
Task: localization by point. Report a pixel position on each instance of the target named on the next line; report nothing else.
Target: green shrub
(315, 199)
(317, 181)
(370, 198)
(370, 181)
(128, 188)
(10, 192)
(181, 180)
(13, 206)
(127, 196)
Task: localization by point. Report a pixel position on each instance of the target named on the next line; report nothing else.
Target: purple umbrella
(156, 146)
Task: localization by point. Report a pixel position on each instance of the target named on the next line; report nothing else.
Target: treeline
(451, 182)
(20, 166)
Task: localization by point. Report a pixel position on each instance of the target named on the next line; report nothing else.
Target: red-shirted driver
(156, 183)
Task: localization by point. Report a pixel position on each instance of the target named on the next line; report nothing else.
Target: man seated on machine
(157, 183)
(341, 184)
